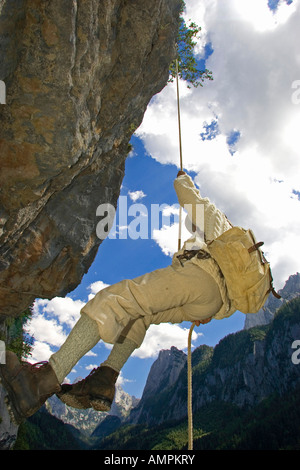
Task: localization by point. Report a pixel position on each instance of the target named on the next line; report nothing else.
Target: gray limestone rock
(79, 76)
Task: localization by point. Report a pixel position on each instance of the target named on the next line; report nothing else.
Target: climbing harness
(185, 255)
(189, 254)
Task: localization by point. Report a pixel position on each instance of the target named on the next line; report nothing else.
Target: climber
(190, 289)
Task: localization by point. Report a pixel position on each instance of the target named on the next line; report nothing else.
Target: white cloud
(136, 195)
(167, 237)
(40, 352)
(52, 321)
(163, 336)
(254, 13)
(91, 354)
(95, 287)
(167, 210)
(50, 324)
(45, 330)
(92, 366)
(255, 61)
(65, 309)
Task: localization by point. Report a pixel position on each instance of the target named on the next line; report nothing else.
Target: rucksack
(246, 271)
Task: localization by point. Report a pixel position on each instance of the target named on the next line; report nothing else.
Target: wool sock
(120, 352)
(82, 338)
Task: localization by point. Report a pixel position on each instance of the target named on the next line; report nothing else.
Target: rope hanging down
(189, 361)
(180, 150)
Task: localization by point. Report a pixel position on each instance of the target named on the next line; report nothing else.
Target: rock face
(265, 315)
(8, 430)
(123, 403)
(164, 371)
(78, 75)
(163, 374)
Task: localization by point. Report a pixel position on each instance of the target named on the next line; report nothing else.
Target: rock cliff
(78, 75)
(163, 375)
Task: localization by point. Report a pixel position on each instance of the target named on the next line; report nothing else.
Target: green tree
(188, 69)
(17, 340)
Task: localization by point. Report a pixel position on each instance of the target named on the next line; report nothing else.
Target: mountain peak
(164, 371)
(163, 374)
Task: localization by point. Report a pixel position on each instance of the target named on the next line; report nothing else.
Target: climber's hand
(202, 322)
(181, 172)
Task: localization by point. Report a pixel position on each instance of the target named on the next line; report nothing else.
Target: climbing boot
(27, 385)
(96, 391)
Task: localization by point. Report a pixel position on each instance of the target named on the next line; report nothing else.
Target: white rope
(180, 150)
(178, 114)
(189, 360)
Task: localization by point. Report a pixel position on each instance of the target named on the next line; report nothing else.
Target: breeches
(172, 294)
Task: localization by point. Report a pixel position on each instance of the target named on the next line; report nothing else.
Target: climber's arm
(189, 197)
(186, 191)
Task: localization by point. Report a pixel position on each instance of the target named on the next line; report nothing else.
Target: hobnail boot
(96, 391)
(28, 386)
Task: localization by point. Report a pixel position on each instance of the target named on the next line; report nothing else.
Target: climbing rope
(180, 150)
(178, 114)
(189, 360)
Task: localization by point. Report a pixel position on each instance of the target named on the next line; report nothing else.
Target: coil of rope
(189, 360)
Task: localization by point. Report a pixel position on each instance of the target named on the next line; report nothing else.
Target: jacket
(213, 225)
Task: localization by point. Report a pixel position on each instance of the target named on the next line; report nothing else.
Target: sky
(240, 140)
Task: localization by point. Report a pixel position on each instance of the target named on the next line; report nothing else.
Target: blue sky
(240, 145)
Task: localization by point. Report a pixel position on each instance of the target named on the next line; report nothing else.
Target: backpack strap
(255, 247)
(274, 292)
(272, 288)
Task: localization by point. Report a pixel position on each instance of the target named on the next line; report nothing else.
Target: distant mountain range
(86, 421)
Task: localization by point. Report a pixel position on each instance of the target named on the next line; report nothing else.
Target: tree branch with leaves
(188, 69)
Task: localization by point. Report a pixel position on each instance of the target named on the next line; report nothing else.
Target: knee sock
(120, 352)
(82, 338)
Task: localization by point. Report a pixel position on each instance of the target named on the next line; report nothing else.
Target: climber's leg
(164, 289)
(82, 338)
(138, 303)
(97, 390)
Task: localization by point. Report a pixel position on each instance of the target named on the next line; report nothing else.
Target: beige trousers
(172, 294)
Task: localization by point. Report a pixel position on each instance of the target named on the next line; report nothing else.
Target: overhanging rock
(79, 76)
